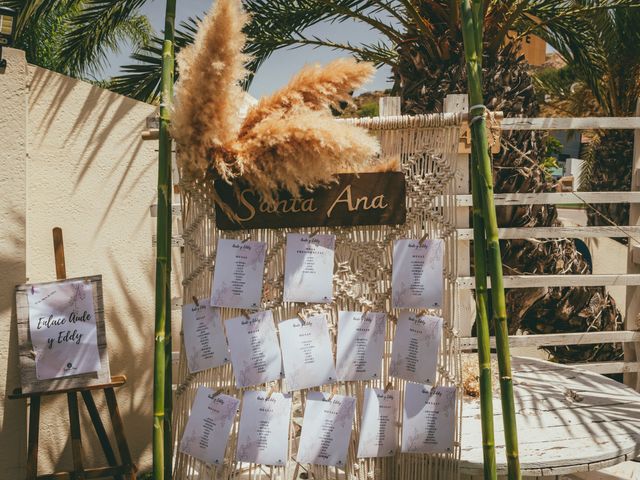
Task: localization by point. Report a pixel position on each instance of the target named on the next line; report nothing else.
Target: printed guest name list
(308, 271)
(238, 274)
(254, 348)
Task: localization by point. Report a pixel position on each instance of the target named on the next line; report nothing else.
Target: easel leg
(34, 424)
(76, 438)
(100, 430)
(118, 429)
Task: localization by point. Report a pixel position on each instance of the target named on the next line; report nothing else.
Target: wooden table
(569, 420)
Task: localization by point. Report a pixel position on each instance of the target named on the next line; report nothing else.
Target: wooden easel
(120, 471)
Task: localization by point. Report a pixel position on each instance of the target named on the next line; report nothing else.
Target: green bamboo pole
(482, 329)
(162, 441)
(482, 303)
(471, 20)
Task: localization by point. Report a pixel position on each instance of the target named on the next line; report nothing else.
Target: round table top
(569, 420)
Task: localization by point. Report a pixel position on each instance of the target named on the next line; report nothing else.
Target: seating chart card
(207, 432)
(254, 348)
(62, 327)
(308, 271)
(360, 345)
(379, 426)
(417, 274)
(326, 429)
(428, 419)
(204, 340)
(238, 275)
(308, 361)
(415, 349)
(263, 435)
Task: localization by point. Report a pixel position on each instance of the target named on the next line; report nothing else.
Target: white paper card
(204, 340)
(308, 271)
(416, 344)
(207, 432)
(428, 420)
(62, 324)
(307, 357)
(254, 348)
(379, 426)
(360, 345)
(238, 274)
(263, 436)
(326, 429)
(417, 277)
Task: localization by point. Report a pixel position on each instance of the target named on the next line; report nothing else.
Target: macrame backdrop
(362, 278)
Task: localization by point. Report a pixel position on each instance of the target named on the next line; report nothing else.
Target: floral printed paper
(238, 274)
(417, 276)
(308, 271)
(360, 345)
(326, 429)
(62, 326)
(207, 432)
(416, 345)
(263, 436)
(379, 425)
(307, 357)
(254, 348)
(204, 341)
(428, 421)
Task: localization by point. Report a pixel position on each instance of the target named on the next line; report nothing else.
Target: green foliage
(549, 161)
(369, 109)
(76, 37)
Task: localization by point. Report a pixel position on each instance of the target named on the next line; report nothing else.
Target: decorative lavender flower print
(417, 277)
(415, 348)
(207, 431)
(238, 274)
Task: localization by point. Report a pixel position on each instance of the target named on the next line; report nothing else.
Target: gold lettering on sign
(248, 206)
(346, 197)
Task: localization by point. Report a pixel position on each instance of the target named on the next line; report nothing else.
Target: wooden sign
(356, 199)
(62, 332)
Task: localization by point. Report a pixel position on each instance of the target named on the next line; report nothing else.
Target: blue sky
(283, 64)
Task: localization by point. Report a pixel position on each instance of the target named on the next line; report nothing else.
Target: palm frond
(142, 80)
(98, 29)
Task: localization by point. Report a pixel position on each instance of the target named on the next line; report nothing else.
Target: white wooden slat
(557, 339)
(632, 352)
(529, 281)
(465, 305)
(586, 123)
(558, 232)
(555, 198)
(610, 367)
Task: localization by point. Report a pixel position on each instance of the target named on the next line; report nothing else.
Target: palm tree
(601, 79)
(76, 37)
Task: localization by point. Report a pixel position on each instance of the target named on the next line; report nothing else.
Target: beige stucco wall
(89, 172)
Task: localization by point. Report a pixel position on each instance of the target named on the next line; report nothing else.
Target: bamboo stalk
(483, 177)
(482, 301)
(482, 329)
(162, 441)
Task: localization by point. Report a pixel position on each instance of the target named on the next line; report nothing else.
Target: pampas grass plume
(207, 100)
(315, 87)
(301, 150)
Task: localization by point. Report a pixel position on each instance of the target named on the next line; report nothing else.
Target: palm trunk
(162, 441)
(483, 178)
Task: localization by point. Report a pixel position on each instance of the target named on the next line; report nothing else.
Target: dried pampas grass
(205, 117)
(293, 151)
(289, 140)
(314, 88)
